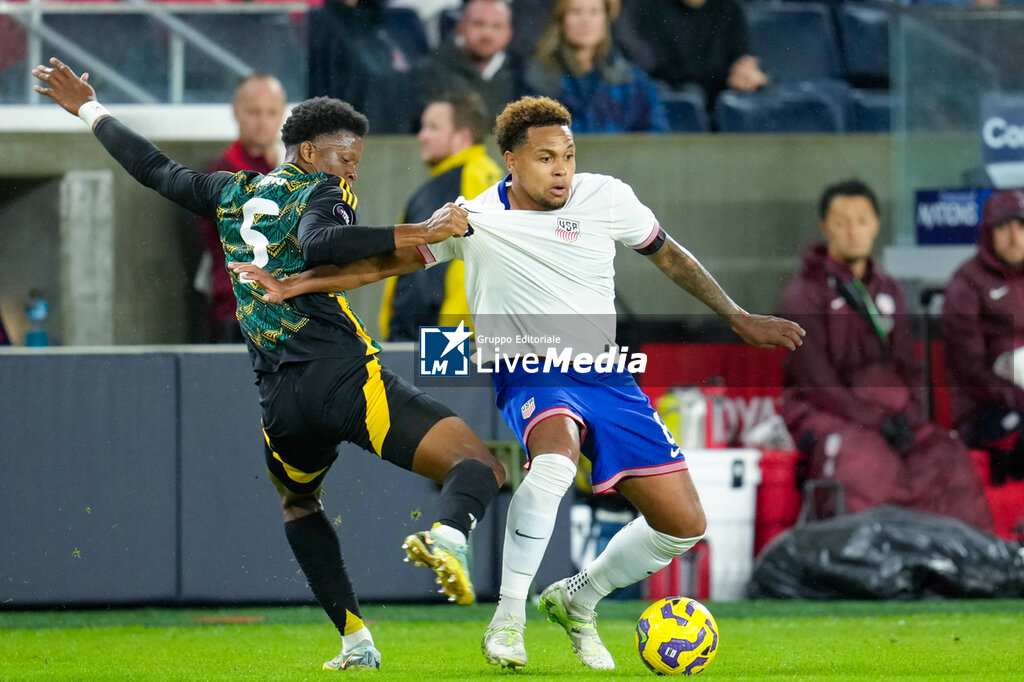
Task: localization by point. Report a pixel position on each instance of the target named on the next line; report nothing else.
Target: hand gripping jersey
(547, 277)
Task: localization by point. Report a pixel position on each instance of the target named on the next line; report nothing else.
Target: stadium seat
(686, 110)
(266, 42)
(864, 39)
(779, 111)
(794, 42)
(404, 23)
(870, 111)
(131, 44)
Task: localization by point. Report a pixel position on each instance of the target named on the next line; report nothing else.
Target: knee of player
(497, 468)
(484, 458)
(686, 529)
(295, 506)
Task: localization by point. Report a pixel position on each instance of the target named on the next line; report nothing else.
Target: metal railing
(30, 14)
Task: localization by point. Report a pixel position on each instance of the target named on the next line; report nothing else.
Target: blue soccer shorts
(621, 433)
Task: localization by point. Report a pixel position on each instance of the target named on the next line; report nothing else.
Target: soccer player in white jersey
(542, 248)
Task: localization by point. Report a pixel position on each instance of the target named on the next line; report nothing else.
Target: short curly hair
(322, 116)
(515, 121)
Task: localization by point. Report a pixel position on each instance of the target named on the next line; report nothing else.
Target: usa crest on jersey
(568, 230)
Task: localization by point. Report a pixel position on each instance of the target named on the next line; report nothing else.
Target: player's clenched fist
(447, 221)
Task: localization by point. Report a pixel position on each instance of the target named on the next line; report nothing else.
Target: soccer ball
(676, 636)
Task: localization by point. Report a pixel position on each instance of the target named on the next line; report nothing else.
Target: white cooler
(727, 481)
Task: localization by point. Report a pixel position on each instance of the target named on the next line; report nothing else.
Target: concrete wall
(138, 477)
(745, 205)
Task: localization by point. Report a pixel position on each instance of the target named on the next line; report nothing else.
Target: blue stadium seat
(687, 110)
(793, 41)
(132, 44)
(779, 111)
(864, 38)
(266, 42)
(870, 111)
(405, 25)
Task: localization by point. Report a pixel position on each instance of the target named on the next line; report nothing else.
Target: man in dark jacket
(983, 326)
(682, 42)
(850, 396)
(355, 56)
(475, 60)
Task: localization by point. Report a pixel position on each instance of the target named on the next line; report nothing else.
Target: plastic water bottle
(37, 310)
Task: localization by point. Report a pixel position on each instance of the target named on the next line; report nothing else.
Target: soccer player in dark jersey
(319, 378)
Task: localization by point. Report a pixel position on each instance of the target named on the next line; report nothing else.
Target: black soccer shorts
(311, 407)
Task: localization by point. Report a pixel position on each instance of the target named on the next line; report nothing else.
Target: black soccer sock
(318, 551)
(468, 488)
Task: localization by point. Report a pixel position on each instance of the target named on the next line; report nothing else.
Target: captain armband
(653, 243)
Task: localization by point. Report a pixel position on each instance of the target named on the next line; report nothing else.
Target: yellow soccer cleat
(448, 560)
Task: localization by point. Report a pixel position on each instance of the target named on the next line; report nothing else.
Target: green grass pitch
(963, 640)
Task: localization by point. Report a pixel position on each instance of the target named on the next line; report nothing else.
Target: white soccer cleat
(363, 657)
(581, 626)
(504, 644)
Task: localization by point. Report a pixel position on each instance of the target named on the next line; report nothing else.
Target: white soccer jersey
(539, 275)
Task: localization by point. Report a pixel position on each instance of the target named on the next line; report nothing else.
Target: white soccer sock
(356, 639)
(531, 518)
(632, 554)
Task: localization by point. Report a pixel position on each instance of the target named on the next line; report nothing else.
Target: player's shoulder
(489, 198)
(331, 188)
(596, 189)
(598, 183)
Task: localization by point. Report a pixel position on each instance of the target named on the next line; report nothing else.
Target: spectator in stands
(530, 18)
(850, 398)
(354, 57)
(474, 60)
(983, 328)
(451, 137)
(575, 64)
(259, 108)
(687, 42)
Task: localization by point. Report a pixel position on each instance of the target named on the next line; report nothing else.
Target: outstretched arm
(331, 277)
(190, 189)
(762, 331)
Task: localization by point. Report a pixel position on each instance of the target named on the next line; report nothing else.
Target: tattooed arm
(762, 331)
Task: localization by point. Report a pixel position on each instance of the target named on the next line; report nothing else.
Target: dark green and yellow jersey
(258, 218)
(285, 221)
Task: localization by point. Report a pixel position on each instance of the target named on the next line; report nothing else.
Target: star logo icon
(444, 351)
(456, 337)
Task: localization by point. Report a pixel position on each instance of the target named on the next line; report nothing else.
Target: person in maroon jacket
(259, 108)
(983, 324)
(851, 396)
